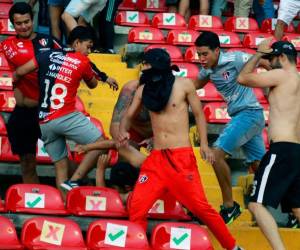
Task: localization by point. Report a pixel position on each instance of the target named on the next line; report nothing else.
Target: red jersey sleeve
(88, 73)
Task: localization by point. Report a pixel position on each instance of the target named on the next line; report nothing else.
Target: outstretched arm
(196, 106)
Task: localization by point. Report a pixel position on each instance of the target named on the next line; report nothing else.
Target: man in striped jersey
(277, 180)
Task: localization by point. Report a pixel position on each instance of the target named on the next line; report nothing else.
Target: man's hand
(207, 154)
(80, 149)
(265, 46)
(123, 138)
(147, 143)
(112, 83)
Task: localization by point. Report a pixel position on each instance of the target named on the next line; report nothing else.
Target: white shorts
(85, 8)
(288, 10)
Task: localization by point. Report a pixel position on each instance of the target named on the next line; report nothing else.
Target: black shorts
(277, 180)
(23, 130)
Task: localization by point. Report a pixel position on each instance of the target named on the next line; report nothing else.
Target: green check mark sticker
(178, 241)
(34, 203)
(132, 17)
(115, 236)
(34, 200)
(170, 19)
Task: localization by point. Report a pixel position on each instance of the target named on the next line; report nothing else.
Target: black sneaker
(293, 222)
(69, 185)
(231, 213)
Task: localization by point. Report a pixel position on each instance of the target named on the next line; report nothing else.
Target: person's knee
(65, 16)
(219, 156)
(280, 23)
(254, 207)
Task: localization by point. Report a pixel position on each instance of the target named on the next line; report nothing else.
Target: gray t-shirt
(224, 77)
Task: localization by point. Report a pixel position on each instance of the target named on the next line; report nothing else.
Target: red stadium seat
(5, 7)
(5, 151)
(145, 35)
(252, 40)
(294, 39)
(34, 198)
(205, 22)
(95, 201)
(168, 21)
(152, 5)
(49, 233)
(79, 105)
(229, 39)
(188, 70)
(3, 62)
(98, 125)
(7, 101)
(266, 112)
(127, 5)
(241, 24)
(6, 27)
(41, 153)
(173, 51)
(245, 50)
(266, 139)
(132, 18)
(209, 93)
(6, 1)
(268, 26)
(182, 37)
(172, 235)
(191, 55)
(2, 126)
(8, 235)
(260, 95)
(216, 112)
(102, 234)
(6, 78)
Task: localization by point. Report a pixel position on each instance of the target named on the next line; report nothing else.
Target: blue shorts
(61, 3)
(74, 126)
(244, 131)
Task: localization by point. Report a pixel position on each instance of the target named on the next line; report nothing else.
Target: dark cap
(281, 47)
(159, 59)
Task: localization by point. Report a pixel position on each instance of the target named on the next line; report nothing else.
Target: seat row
(50, 233)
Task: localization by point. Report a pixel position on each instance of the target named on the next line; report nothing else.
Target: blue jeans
(263, 11)
(217, 7)
(244, 131)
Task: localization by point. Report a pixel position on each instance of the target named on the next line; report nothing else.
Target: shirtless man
(278, 177)
(171, 165)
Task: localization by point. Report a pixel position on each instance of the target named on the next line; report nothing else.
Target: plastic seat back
(5, 152)
(229, 39)
(5, 7)
(260, 95)
(241, 24)
(252, 40)
(173, 51)
(116, 234)
(168, 21)
(266, 111)
(268, 26)
(2, 126)
(6, 78)
(209, 93)
(172, 235)
(205, 22)
(216, 112)
(34, 198)
(7, 101)
(152, 5)
(145, 35)
(188, 70)
(95, 201)
(79, 105)
(294, 39)
(132, 18)
(6, 27)
(3, 62)
(50, 233)
(182, 37)
(127, 5)
(8, 235)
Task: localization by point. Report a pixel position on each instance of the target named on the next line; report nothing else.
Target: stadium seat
(152, 5)
(266, 139)
(6, 27)
(145, 35)
(182, 37)
(216, 112)
(5, 151)
(3, 62)
(252, 40)
(168, 21)
(229, 39)
(116, 234)
(268, 26)
(127, 5)
(132, 18)
(8, 235)
(205, 22)
(6, 1)
(191, 55)
(35, 199)
(50, 233)
(2, 126)
(5, 7)
(172, 235)
(241, 25)
(266, 111)
(188, 70)
(95, 201)
(294, 39)
(6, 80)
(245, 50)
(79, 105)
(42, 156)
(260, 95)
(174, 52)
(209, 93)
(7, 101)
